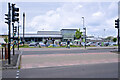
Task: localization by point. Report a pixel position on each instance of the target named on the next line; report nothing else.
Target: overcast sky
(64, 15)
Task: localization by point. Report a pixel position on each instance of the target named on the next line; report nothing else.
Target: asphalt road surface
(64, 51)
(109, 70)
(96, 70)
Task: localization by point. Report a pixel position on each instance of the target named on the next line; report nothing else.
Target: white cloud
(97, 14)
(78, 7)
(69, 16)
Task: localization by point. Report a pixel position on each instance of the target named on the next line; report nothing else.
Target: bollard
(6, 53)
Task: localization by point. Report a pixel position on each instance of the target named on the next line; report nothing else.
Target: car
(93, 44)
(41, 44)
(112, 43)
(34, 44)
(71, 43)
(89, 43)
(82, 43)
(28, 42)
(106, 43)
(63, 43)
(54, 45)
(98, 44)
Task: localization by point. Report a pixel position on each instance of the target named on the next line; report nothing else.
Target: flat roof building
(62, 35)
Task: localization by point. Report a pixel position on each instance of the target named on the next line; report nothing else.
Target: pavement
(73, 48)
(15, 59)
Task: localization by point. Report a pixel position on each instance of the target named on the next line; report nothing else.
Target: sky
(99, 17)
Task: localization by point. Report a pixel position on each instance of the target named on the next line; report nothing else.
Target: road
(109, 70)
(66, 63)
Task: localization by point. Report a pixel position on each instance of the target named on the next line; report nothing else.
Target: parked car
(28, 42)
(71, 43)
(82, 43)
(106, 43)
(63, 43)
(93, 44)
(98, 44)
(89, 43)
(41, 44)
(54, 45)
(34, 44)
(112, 43)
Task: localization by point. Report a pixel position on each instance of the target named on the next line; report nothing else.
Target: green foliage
(109, 38)
(6, 39)
(78, 34)
(114, 39)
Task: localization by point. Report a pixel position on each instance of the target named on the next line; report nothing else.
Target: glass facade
(68, 34)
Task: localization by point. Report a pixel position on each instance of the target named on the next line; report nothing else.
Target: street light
(85, 31)
(104, 35)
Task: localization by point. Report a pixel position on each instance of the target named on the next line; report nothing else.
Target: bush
(114, 39)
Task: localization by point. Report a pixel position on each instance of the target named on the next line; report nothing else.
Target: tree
(114, 39)
(78, 34)
(6, 39)
(109, 38)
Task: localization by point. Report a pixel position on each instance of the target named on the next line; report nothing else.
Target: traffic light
(7, 18)
(15, 29)
(15, 13)
(117, 23)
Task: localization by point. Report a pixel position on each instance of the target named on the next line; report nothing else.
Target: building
(62, 35)
(68, 34)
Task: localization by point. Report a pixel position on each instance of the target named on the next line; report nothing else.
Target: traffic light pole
(18, 35)
(23, 26)
(117, 26)
(9, 34)
(13, 39)
(118, 41)
(85, 37)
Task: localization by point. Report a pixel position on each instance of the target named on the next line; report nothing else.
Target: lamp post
(43, 36)
(104, 35)
(85, 31)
